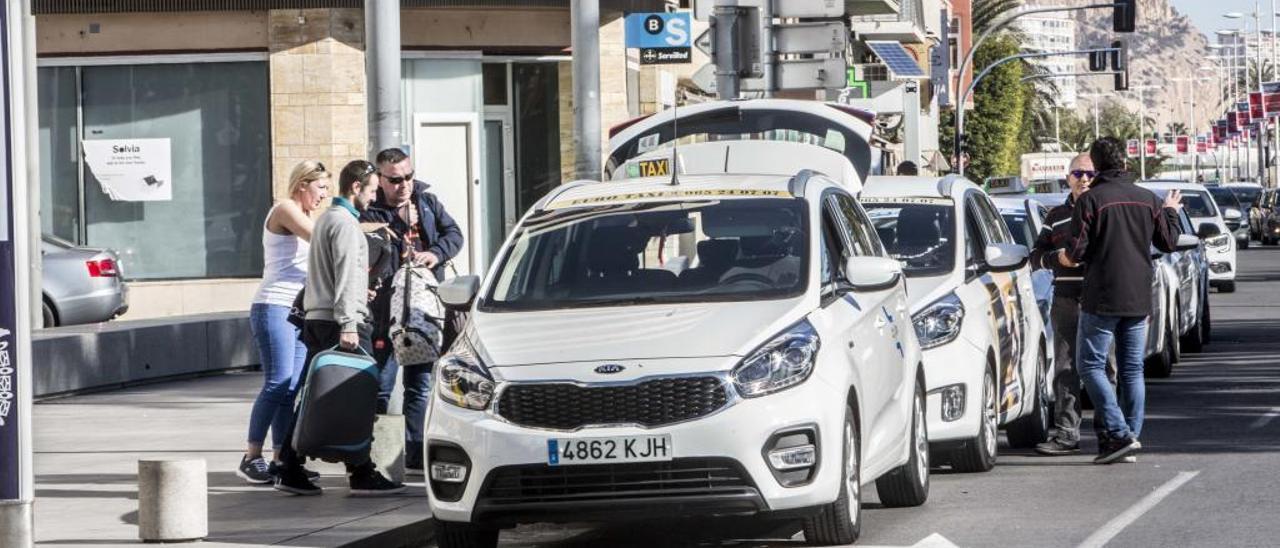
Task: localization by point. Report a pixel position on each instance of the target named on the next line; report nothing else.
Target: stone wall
(317, 90)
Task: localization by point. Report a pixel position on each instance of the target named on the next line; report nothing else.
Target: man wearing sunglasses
(1065, 311)
(426, 235)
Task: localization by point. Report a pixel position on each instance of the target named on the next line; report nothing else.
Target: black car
(1228, 201)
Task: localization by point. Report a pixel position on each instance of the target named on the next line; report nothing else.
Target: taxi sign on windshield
(650, 168)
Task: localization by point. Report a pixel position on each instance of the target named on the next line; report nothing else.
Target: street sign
(665, 56)
(663, 38)
(811, 38)
(705, 78)
(706, 43)
(809, 9)
(804, 74)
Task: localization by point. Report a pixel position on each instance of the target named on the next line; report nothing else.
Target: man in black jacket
(428, 236)
(1065, 311)
(1113, 228)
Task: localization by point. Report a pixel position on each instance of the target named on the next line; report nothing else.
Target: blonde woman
(286, 238)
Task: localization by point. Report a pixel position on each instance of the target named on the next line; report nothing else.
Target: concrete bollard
(173, 500)
(388, 446)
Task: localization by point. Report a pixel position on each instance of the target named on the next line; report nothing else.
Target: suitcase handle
(339, 348)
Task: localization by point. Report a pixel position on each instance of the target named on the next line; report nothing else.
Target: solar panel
(894, 56)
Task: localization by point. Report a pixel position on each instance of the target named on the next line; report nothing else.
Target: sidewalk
(87, 448)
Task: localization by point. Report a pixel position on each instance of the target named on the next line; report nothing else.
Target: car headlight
(462, 380)
(1221, 240)
(939, 323)
(781, 363)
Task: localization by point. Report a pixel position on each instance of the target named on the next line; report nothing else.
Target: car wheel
(840, 522)
(1244, 244)
(1193, 341)
(1161, 364)
(465, 535)
(1227, 287)
(979, 454)
(908, 485)
(49, 319)
(1034, 428)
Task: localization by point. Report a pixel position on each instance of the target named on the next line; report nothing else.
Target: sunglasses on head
(1083, 173)
(398, 180)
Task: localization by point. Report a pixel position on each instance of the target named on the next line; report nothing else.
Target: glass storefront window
(59, 153)
(217, 118)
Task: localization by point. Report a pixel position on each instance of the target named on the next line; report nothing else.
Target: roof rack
(557, 191)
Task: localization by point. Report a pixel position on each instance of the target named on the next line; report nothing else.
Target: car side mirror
(459, 292)
(1006, 257)
(1232, 214)
(1187, 242)
(872, 273)
(1207, 230)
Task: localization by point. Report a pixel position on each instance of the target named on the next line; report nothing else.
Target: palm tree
(1177, 128)
(986, 12)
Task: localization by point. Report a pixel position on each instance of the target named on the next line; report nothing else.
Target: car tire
(465, 535)
(979, 454)
(1244, 244)
(1227, 287)
(840, 522)
(1034, 428)
(908, 485)
(49, 319)
(1161, 365)
(1193, 341)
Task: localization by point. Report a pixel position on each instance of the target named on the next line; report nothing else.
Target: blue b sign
(663, 38)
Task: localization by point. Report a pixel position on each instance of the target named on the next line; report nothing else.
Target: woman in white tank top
(286, 236)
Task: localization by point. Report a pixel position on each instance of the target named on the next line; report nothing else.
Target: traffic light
(1125, 15)
(1120, 64)
(1097, 61)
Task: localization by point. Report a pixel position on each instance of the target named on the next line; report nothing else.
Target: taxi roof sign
(1006, 185)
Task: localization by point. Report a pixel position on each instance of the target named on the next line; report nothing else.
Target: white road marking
(1109, 531)
(1266, 418)
(935, 540)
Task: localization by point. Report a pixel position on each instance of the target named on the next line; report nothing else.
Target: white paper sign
(131, 170)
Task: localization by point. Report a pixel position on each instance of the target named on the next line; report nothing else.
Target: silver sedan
(81, 285)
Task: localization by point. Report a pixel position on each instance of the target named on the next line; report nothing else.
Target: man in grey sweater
(336, 300)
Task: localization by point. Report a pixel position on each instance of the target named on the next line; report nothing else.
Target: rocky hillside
(1166, 45)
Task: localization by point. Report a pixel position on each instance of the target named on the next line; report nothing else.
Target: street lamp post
(1142, 128)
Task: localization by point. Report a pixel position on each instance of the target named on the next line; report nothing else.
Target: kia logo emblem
(609, 369)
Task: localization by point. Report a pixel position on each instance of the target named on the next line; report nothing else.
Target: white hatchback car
(974, 310)
(731, 345)
(1220, 249)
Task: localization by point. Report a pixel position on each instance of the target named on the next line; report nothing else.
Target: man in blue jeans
(1113, 227)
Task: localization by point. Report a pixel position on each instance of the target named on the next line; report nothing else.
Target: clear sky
(1207, 14)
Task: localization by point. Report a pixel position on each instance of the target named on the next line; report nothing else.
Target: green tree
(994, 128)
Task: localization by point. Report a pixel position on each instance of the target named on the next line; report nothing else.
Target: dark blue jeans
(417, 390)
(282, 356)
(1122, 415)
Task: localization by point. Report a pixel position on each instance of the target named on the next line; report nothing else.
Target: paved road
(1211, 449)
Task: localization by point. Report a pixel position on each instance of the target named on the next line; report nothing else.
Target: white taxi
(974, 313)
(727, 345)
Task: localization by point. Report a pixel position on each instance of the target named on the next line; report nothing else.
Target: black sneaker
(1057, 447)
(311, 474)
(295, 481)
(373, 484)
(1110, 451)
(254, 470)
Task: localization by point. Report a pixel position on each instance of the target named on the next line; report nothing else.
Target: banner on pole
(1133, 147)
(1183, 143)
(1151, 147)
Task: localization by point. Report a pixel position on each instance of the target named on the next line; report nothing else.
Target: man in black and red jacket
(1113, 227)
(1064, 312)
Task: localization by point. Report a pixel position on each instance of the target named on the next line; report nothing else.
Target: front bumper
(1222, 263)
(957, 365)
(731, 440)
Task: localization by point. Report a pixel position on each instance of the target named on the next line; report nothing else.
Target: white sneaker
(1129, 459)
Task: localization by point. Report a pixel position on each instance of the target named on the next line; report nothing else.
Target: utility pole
(382, 26)
(587, 144)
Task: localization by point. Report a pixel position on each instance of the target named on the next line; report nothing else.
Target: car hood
(924, 290)
(637, 332)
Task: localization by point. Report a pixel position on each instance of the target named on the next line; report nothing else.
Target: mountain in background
(1166, 45)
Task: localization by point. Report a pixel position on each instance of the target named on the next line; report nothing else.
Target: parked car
(1250, 196)
(1025, 216)
(728, 345)
(1200, 207)
(81, 284)
(972, 303)
(1268, 219)
(1228, 201)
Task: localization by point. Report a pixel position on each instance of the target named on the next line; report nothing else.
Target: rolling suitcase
(336, 414)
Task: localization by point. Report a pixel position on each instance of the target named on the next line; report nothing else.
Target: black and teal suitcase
(336, 414)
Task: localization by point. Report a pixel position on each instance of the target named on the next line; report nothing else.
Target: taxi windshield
(612, 254)
(919, 235)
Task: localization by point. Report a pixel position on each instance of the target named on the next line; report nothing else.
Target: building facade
(1053, 33)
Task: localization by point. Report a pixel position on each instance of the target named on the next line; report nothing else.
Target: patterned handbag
(416, 317)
